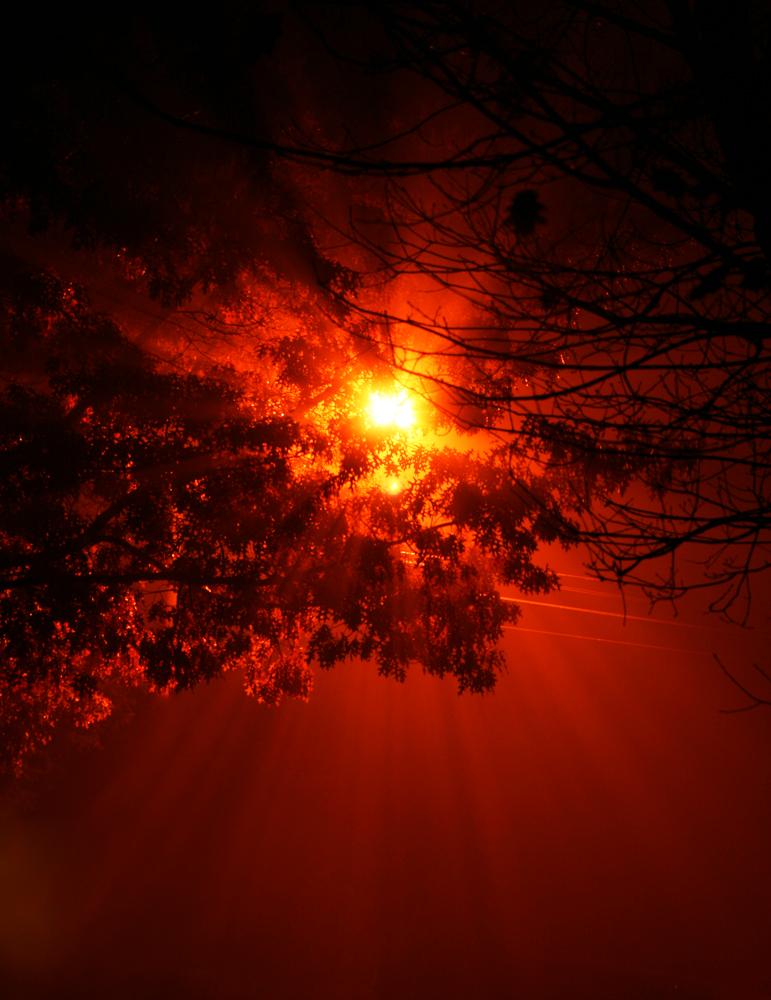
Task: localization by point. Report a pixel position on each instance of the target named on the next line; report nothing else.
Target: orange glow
(395, 408)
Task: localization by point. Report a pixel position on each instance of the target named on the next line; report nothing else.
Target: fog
(596, 828)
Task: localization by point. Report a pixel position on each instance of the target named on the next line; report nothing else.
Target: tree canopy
(546, 222)
(164, 521)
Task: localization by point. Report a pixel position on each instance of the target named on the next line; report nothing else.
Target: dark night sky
(594, 829)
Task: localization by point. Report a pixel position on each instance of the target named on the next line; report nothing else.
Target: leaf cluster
(162, 524)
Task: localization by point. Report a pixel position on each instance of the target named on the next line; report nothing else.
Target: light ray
(608, 614)
(592, 638)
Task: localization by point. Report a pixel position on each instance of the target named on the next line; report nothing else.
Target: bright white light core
(392, 409)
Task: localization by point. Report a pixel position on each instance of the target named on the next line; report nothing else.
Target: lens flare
(393, 409)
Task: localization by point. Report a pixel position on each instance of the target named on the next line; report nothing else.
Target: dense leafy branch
(565, 244)
(197, 519)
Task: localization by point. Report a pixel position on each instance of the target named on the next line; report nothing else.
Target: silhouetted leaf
(525, 213)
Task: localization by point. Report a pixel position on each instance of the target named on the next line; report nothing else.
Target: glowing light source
(392, 409)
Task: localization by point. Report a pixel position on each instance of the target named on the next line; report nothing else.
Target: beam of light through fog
(591, 830)
(594, 830)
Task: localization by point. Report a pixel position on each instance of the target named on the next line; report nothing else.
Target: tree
(585, 190)
(565, 245)
(168, 514)
(165, 519)
(594, 227)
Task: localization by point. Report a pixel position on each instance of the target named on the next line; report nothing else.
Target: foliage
(558, 234)
(167, 518)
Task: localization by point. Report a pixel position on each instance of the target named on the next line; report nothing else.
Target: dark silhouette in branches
(525, 213)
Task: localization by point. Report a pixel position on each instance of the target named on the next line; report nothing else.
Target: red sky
(596, 829)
